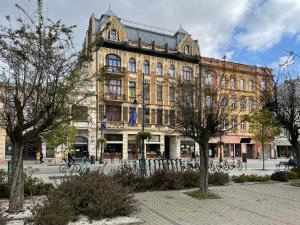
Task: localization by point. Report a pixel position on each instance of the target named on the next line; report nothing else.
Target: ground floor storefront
(123, 145)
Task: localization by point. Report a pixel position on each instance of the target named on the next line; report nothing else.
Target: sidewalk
(263, 204)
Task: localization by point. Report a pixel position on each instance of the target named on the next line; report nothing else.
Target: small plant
(198, 195)
(218, 178)
(250, 178)
(293, 175)
(101, 140)
(280, 176)
(220, 143)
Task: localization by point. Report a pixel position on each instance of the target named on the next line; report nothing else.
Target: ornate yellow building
(127, 50)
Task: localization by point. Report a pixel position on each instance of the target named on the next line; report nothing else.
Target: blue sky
(255, 32)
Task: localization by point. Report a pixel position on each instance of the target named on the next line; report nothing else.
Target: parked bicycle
(211, 166)
(238, 165)
(222, 165)
(71, 166)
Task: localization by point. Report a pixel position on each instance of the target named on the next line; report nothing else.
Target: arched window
(113, 34)
(172, 70)
(187, 73)
(187, 50)
(132, 65)
(113, 63)
(159, 69)
(146, 67)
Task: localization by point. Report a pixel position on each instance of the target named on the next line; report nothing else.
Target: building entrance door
(250, 153)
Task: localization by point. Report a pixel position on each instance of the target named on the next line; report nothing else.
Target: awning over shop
(282, 142)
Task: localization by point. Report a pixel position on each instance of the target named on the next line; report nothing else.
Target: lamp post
(102, 128)
(142, 159)
(222, 132)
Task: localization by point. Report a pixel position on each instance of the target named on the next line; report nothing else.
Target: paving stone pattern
(251, 204)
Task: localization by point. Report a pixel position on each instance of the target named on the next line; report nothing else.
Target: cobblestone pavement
(253, 204)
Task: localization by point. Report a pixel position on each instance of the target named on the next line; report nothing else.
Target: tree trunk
(16, 199)
(263, 154)
(296, 147)
(203, 184)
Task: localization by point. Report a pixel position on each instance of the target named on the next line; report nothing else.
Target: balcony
(114, 97)
(114, 124)
(114, 71)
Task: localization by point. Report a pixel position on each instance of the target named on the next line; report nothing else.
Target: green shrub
(94, 195)
(34, 186)
(250, 178)
(4, 190)
(280, 176)
(3, 220)
(218, 178)
(293, 175)
(190, 179)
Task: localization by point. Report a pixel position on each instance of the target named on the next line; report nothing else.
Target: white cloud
(268, 23)
(212, 22)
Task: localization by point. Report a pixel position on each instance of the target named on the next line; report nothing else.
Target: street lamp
(102, 128)
(135, 103)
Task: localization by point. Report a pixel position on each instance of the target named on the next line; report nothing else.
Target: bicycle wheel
(218, 166)
(76, 167)
(62, 168)
(212, 167)
(226, 166)
(239, 166)
(231, 166)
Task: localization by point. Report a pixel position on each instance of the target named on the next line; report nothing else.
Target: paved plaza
(253, 204)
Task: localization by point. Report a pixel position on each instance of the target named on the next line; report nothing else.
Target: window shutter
(125, 114)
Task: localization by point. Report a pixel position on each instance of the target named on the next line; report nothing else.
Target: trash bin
(93, 159)
(244, 157)
(10, 168)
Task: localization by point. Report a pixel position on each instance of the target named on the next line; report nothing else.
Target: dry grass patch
(198, 195)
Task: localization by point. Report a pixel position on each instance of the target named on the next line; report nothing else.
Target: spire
(109, 12)
(181, 30)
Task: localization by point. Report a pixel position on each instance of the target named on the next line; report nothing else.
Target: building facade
(125, 52)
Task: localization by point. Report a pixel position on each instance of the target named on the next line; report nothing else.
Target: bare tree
(202, 109)
(40, 75)
(284, 100)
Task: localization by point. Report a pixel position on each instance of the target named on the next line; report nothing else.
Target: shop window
(113, 137)
(113, 148)
(237, 150)
(186, 147)
(153, 150)
(212, 150)
(226, 150)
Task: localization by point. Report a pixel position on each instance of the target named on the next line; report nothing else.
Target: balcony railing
(114, 70)
(114, 97)
(115, 124)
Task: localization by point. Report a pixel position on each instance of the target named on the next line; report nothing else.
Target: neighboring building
(125, 52)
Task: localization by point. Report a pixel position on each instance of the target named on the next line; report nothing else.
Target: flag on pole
(132, 119)
(103, 127)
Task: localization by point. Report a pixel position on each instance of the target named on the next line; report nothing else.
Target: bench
(283, 163)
